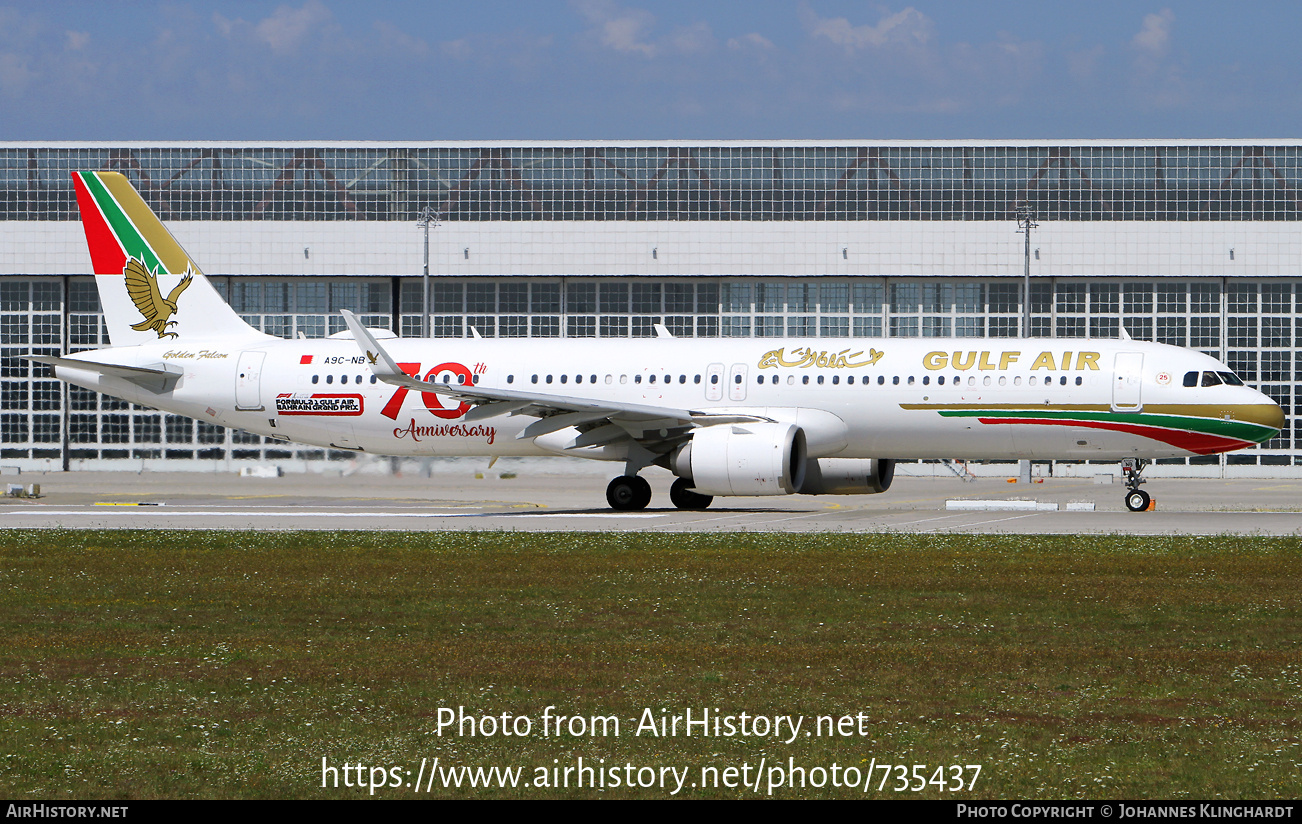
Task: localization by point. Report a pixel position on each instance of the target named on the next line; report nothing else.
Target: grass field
(228, 664)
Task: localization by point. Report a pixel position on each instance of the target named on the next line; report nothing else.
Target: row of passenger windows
(714, 379)
(357, 379)
(865, 380)
(957, 380)
(805, 380)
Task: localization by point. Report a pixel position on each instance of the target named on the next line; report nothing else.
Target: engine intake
(744, 459)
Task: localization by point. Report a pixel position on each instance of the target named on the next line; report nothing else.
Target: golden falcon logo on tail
(142, 286)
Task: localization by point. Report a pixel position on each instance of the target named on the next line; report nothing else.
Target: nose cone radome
(1264, 412)
(1273, 415)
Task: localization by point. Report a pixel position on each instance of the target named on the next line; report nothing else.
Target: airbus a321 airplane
(736, 416)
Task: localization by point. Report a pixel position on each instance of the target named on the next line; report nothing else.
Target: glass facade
(1251, 324)
(1086, 181)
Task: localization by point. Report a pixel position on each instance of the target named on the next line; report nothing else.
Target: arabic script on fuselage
(804, 357)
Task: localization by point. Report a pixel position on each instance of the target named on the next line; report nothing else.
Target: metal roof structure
(1175, 180)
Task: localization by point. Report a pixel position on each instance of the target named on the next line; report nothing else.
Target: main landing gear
(1137, 500)
(684, 498)
(629, 493)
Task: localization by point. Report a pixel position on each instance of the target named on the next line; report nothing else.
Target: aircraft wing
(601, 421)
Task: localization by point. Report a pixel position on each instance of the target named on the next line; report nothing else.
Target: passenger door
(1127, 380)
(248, 381)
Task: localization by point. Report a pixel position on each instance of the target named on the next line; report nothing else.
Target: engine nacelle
(847, 476)
(744, 459)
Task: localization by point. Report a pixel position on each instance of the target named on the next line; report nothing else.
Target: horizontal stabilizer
(157, 379)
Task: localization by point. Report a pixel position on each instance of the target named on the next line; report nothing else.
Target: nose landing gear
(1137, 500)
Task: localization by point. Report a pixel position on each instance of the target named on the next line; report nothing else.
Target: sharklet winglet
(381, 363)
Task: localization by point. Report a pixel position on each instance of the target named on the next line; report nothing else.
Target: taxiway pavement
(539, 501)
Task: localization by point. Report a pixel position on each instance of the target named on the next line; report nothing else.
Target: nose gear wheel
(1137, 500)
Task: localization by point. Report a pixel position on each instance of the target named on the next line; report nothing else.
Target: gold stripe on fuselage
(1264, 414)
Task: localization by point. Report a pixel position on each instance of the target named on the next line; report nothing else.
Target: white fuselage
(903, 398)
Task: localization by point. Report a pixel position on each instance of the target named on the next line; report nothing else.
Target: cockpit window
(1206, 379)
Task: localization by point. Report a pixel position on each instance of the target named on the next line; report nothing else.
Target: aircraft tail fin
(149, 288)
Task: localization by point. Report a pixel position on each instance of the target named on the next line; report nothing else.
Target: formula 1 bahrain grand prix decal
(301, 403)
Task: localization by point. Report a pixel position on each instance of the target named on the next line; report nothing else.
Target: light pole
(427, 216)
(1025, 223)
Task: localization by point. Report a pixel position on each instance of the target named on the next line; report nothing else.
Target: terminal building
(1190, 243)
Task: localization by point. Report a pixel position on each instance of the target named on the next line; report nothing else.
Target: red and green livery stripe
(119, 226)
(1196, 434)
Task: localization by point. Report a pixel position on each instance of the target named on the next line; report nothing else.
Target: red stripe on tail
(106, 254)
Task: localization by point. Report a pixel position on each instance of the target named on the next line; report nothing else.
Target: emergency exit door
(737, 382)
